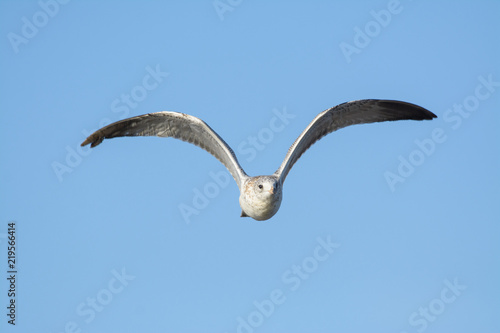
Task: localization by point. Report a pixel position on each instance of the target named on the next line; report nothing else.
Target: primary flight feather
(260, 196)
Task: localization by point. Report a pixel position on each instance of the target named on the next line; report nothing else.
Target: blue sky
(389, 227)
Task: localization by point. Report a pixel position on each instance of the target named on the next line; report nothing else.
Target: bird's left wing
(176, 125)
(346, 114)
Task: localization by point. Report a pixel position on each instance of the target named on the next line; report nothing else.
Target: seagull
(260, 196)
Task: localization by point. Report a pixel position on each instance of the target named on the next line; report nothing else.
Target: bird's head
(264, 188)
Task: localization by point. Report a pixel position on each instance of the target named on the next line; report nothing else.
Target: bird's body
(260, 197)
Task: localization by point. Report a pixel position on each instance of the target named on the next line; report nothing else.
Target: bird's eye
(260, 186)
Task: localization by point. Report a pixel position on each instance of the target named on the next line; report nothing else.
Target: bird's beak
(271, 190)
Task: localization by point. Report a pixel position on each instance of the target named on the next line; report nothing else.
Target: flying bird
(260, 196)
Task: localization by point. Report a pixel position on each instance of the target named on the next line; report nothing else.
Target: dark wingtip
(93, 141)
(429, 115)
(426, 114)
(414, 111)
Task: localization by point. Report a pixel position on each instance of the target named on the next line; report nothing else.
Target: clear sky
(391, 227)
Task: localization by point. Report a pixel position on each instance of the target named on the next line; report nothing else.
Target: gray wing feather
(346, 114)
(176, 125)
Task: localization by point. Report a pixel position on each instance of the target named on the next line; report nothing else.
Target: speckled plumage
(260, 197)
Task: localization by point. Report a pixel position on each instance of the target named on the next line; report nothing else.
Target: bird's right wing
(346, 114)
(176, 125)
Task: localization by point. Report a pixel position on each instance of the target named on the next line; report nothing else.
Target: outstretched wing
(346, 114)
(176, 125)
